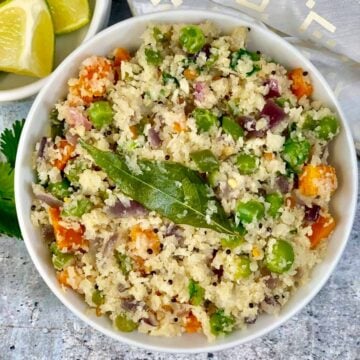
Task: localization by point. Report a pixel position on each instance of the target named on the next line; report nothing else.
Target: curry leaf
(171, 189)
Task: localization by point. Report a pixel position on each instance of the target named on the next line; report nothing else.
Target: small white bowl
(127, 34)
(17, 87)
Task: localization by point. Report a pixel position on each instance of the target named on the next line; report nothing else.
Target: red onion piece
(72, 139)
(42, 147)
(154, 138)
(274, 90)
(249, 125)
(125, 210)
(283, 184)
(47, 198)
(273, 112)
(312, 213)
(77, 118)
(199, 91)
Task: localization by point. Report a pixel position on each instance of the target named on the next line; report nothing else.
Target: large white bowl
(127, 34)
(16, 87)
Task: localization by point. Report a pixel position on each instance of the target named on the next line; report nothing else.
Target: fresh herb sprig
(9, 141)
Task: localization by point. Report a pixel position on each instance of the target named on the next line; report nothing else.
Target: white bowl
(16, 87)
(127, 34)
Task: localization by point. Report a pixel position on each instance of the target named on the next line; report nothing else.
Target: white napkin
(326, 32)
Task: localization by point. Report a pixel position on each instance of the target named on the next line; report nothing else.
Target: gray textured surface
(35, 325)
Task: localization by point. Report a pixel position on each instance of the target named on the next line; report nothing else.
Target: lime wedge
(69, 15)
(26, 37)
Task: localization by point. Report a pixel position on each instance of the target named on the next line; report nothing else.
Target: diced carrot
(190, 74)
(317, 179)
(300, 86)
(192, 324)
(62, 277)
(269, 156)
(290, 201)
(66, 150)
(144, 239)
(321, 229)
(120, 55)
(66, 238)
(178, 127)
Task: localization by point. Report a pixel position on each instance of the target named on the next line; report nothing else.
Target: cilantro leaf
(9, 141)
(8, 219)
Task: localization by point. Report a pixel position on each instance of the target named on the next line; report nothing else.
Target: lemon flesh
(26, 38)
(69, 15)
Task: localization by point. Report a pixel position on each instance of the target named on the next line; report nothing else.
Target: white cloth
(326, 31)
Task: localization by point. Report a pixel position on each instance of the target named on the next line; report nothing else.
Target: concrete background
(35, 325)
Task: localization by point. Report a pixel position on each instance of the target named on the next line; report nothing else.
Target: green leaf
(9, 141)
(8, 219)
(159, 187)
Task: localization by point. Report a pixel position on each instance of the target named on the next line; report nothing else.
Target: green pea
(296, 153)
(309, 123)
(250, 211)
(242, 267)
(232, 128)
(60, 189)
(221, 323)
(247, 164)
(153, 57)
(192, 39)
(77, 208)
(327, 128)
(100, 114)
(167, 78)
(237, 55)
(59, 259)
(204, 119)
(232, 242)
(98, 298)
(279, 257)
(205, 160)
(196, 293)
(124, 324)
(124, 262)
(276, 201)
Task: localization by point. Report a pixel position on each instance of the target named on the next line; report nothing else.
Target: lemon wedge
(69, 15)
(26, 37)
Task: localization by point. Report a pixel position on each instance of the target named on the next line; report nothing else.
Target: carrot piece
(321, 229)
(192, 324)
(269, 156)
(68, 238)
(144, 239)
(66, 150)
(190, 74)
(120, 55)
(178, 127)
(300, 86)
(62, 277)
(317, 179)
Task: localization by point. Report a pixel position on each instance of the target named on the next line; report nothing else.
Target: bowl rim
(23, 212)
(98, 21)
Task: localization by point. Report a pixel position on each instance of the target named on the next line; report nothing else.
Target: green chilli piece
(326, 128)
(158, 35)
(98, 298)
(221, 323)
(167, 78)
(232, 242)
(254, 70)
(100, 114)
(57, 126)
(204, 119)
(247, 164)
(237, 55)
(74, 170)
(192, 39)
(205, 160)
(77, 208)
(153, 57)
(124, 262)
(60, 189)
(279, 257)
(232, 128)
(243, 270)
(276, 201)
(124, 324)
(250, 211)
(281, 101)
(213, 178)
(196, 293)
(211, 61)
(296, 152)
(60, 259)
